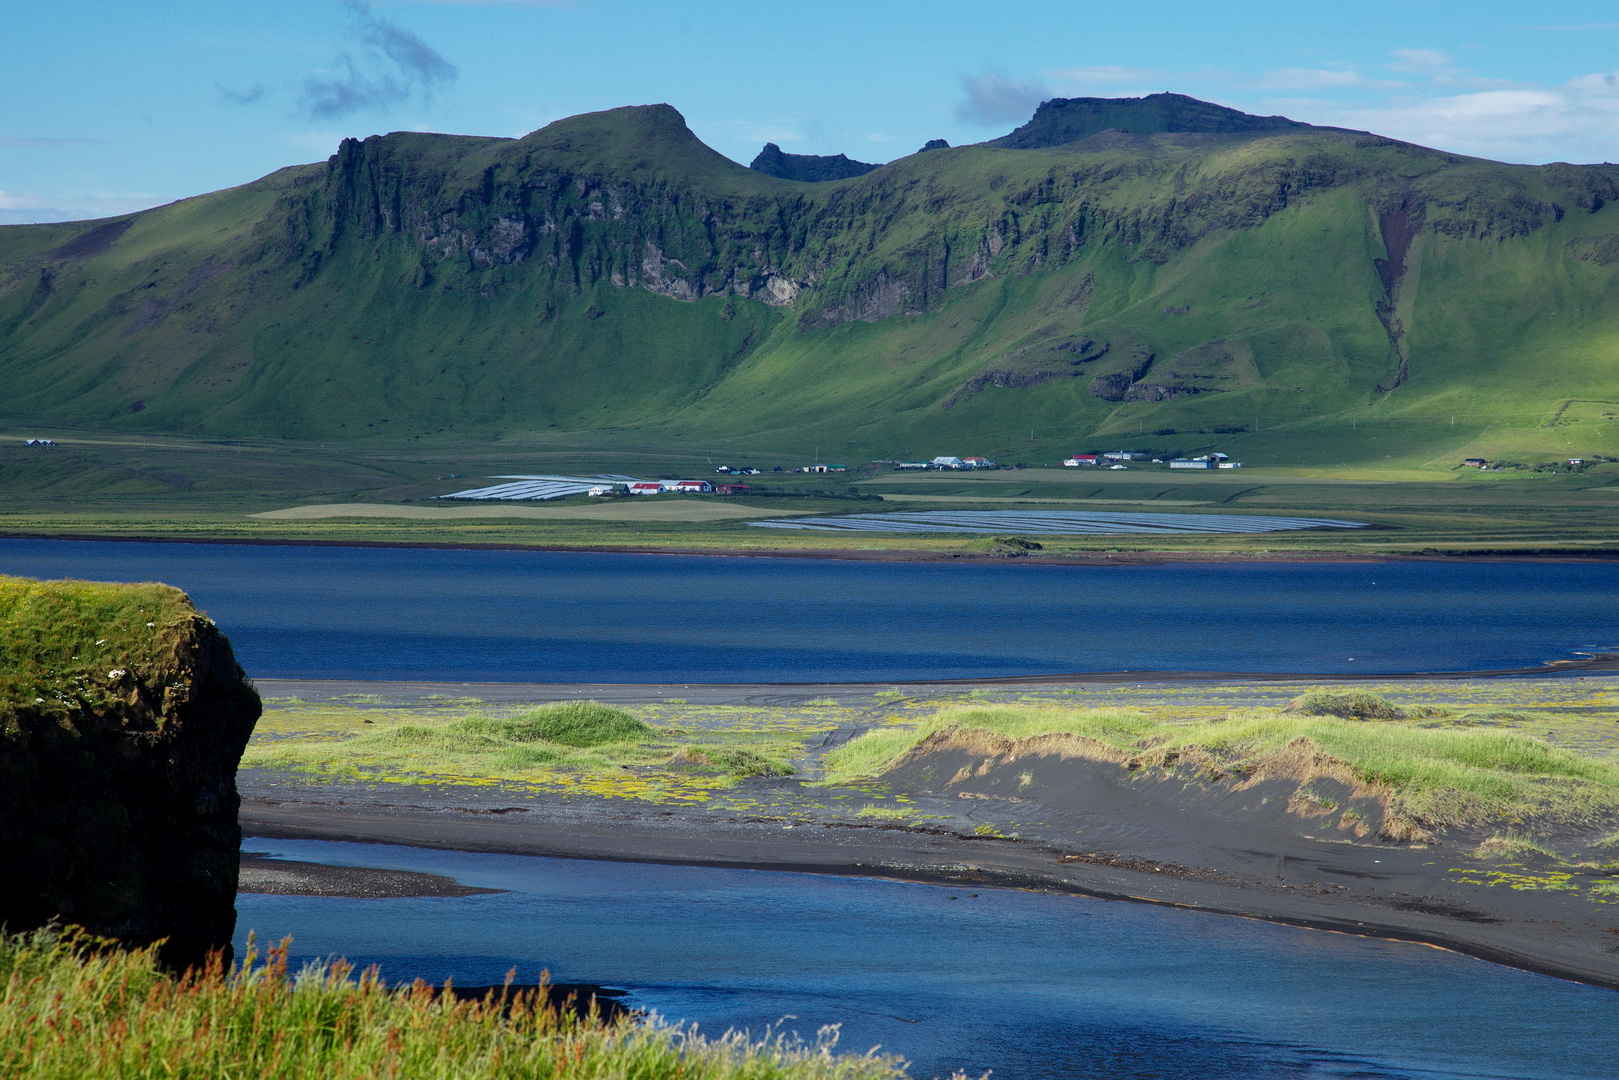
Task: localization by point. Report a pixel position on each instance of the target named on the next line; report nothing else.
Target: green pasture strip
(1457, 774)
(74, 1007)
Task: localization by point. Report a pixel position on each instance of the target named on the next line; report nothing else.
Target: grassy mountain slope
(1066, 120)
(612, 275)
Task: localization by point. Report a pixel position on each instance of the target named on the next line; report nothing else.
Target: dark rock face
(935, 144)
(1066, 120)
(122, 718)
(809, 167)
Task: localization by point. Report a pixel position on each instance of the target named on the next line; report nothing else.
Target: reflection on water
(1027, 984)
(515, 616)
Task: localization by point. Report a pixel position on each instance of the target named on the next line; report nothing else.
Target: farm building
(645, 487)
(1081, 459)
(690, 487)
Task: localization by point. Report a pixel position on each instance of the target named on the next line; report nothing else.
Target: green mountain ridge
(815, 168)
(611, 274)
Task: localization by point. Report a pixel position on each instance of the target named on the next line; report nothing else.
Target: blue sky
(107, 107)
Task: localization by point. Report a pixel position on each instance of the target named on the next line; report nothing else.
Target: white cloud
(879, 137)
(1578, 121)
(1420, 61)
(1440, 69)
(1294, 78)
(28, 208)
(995, 99)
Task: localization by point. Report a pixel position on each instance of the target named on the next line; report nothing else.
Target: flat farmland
(289, 491)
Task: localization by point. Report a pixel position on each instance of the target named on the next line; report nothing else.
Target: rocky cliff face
(562, 208)
(123, 714)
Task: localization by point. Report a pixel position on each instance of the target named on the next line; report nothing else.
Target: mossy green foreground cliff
(73, 1012)
(611, 276)
(123, 714)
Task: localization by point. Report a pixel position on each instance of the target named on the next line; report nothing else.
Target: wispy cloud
(1441, 70)
(1577, 121)
(1421, 95)
(26, 208)
(252, 94)
(47, 143)
(1294, 78)
(391, 67)
(995, 99)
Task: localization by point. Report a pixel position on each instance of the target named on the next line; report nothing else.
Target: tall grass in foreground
(72, 1008)
(1448, 776)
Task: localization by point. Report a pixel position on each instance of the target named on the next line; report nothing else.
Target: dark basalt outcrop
(1066, 120)
(813, 168)
(123, 714)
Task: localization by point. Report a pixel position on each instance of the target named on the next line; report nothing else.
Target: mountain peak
(772, 161)
(642, 137)
(661, 120)
(1066, 120)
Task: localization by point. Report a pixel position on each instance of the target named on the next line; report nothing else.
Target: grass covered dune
(569, 741)
(1420, 770)
(73, 1007)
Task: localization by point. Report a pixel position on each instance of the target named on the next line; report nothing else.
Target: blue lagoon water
(1027, 984)
(520, 616)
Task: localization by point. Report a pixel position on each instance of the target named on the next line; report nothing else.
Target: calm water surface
(1026, 984)
(516, 616)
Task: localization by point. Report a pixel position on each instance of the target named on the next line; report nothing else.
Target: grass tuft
(75, 1006)
(1514, 846)
(873, 812)
(879, 750)
(571, 723)
(1353, 705)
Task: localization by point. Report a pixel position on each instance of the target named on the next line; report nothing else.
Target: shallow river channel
(1027, 984)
